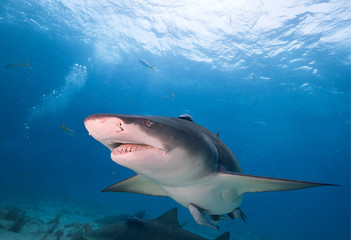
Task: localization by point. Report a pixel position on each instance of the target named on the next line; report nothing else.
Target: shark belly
(208, 194)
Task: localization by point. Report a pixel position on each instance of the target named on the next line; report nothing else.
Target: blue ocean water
(272, 77)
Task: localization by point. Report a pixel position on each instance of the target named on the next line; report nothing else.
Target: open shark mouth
(124, 148)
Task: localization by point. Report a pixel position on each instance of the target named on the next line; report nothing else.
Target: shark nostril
(121, 128)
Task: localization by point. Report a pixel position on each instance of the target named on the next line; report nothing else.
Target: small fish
(196, 84)
(146, 64)
(44, 237)
(67, 129)
(127, 97)
(26, 64)
(261, 122)
(170, 97)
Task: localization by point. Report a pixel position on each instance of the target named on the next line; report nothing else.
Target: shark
(163, 227)
(118, 218)
(180, 159)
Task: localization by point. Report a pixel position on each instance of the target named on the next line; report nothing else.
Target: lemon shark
(165, 226)
(178, 158)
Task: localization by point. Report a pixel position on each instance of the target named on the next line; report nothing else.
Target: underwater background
(272, 76)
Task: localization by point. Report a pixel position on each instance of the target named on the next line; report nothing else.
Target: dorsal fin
(224, 236)
(217, 134)
(140, 214)
(169, 218)
(135, 220)
(187, 116)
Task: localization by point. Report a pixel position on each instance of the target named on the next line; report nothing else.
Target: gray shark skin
(164, 227)
(118, 218)
(178, 158)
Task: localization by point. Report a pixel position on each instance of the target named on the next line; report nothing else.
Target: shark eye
(148, 123)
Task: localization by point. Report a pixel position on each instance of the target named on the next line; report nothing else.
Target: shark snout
(102, 126)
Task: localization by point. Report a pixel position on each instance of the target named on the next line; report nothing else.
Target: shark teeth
(128, 148)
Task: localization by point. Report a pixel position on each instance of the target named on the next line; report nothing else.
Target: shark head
(157, 147)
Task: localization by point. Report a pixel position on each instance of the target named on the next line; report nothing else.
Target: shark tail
(63, 126)
(153, 68)
(243, 183)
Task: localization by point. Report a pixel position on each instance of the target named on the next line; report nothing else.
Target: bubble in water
(59, 99)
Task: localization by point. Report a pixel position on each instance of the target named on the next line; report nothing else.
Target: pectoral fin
(137, 184)
(241, 183)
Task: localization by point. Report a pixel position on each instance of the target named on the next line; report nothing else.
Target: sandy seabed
(45, 221)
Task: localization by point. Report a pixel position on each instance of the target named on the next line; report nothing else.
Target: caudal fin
(27, 64)
(63, 125)
(250, 183)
